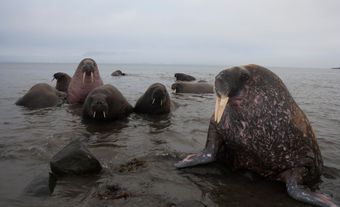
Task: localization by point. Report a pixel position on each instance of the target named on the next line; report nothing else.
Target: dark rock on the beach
(75, 159)
(191, 203)
(41, 185)
(118, 73)
(184, 77)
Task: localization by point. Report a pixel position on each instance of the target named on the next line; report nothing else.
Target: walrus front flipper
(300, 193)
(209, 154)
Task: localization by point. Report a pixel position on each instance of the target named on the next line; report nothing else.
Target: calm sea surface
(29, 138)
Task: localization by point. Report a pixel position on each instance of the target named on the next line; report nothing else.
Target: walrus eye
(244, 77)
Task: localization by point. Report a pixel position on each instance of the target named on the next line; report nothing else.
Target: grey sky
(304, 33)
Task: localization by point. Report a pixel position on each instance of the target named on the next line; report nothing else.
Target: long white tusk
(94, 114)
(92, 79)
(84, 75)
(153, 101)
(220, 105)
(104, 114)
(161, 103)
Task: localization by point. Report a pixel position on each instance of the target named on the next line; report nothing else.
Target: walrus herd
(256, 125)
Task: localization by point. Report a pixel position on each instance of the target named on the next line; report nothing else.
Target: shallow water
(29, 138)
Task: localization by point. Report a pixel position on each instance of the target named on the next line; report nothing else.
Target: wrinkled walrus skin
(258, 126)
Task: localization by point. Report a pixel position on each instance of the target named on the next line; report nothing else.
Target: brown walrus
(184, 77)
(155, 100)
(106, 103)
(41, 95)
(258, 126)
(63, 81)
(84, 80)
(183, 87)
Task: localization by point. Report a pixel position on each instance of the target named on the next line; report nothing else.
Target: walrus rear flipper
(300, 193)
(208, 155)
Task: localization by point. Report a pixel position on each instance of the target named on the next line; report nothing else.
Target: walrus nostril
(99, 103)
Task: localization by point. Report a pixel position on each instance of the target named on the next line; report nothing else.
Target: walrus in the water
(84, 80)
(106, 103)
(155, 100)
(63, 81)
(41, 95)
(118, 73)
(258, 126)
(184, 77)
(182, 87)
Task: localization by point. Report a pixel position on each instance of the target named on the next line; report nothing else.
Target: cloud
(287, 33)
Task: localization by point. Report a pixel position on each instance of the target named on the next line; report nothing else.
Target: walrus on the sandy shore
(118, 73)
(106, 103)
(63, 81)
(84, 80)
(258, 126)
(41, 95)
(155, 100)
(182, 87)
(184, 77)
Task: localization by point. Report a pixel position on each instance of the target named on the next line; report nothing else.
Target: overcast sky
(303, 33)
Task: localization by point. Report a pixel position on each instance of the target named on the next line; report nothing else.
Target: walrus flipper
(208, 155)
(300, 193)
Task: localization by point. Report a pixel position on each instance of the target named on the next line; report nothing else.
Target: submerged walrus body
(85, 79)
(258, 126)
(41, 95)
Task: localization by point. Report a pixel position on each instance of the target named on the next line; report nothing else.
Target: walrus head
(87, 67)
(228, 84)
(159, 94)
(177, 88)
(98, 107)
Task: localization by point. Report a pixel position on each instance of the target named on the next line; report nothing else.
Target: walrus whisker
(84, 75)
(220, 105)
(92, 79)
(94, 114)
(153, 101)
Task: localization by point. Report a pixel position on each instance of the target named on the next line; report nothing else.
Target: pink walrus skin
(84, 80)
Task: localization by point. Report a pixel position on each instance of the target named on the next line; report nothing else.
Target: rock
(41, 185)
(74, 159)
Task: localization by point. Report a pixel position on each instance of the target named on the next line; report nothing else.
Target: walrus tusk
(92, 79)
(153, 101)
(84, 75)
(94, 114)
(104, 114)
(161, 103)
(220, 105)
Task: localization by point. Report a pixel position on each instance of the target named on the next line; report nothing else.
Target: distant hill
(336, 68)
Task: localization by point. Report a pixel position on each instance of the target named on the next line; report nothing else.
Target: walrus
(184, 77)
(63, 81)
(182, 87)
(84, 80)
(41, 95)
(118, 73)
(155, 100)
(106, 103)
(258, 126)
